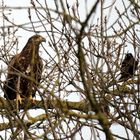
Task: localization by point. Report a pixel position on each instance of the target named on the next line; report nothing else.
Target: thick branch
(51, 104)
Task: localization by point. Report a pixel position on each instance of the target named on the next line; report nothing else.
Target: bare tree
(80, 87)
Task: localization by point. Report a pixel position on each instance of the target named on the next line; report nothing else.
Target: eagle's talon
(31, 99)
(19, 99)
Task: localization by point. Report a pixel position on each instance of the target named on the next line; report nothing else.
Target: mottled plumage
(128, 67)
(24, 71)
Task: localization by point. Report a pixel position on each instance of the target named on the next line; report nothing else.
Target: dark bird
(128, 67)
(24, 71)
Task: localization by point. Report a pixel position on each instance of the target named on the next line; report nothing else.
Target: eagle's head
(128, 56)
(37, 39)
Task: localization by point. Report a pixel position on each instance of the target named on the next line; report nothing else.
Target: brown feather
(128, 67)
(26, 64)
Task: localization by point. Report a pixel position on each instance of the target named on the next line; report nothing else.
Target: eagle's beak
(42, 39)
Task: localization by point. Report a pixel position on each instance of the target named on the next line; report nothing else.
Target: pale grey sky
(21, 16)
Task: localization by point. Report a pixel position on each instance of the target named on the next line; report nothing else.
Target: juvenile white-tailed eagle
(24, 71)
(128, 67)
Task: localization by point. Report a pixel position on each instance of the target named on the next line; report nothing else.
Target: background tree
(79, 90)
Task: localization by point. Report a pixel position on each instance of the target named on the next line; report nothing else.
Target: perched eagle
(24, 71)
(128, 67)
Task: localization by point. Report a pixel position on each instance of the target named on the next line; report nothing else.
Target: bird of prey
(24, 71)
(128, 67)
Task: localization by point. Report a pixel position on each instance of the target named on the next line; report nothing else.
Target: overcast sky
(21, 16)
